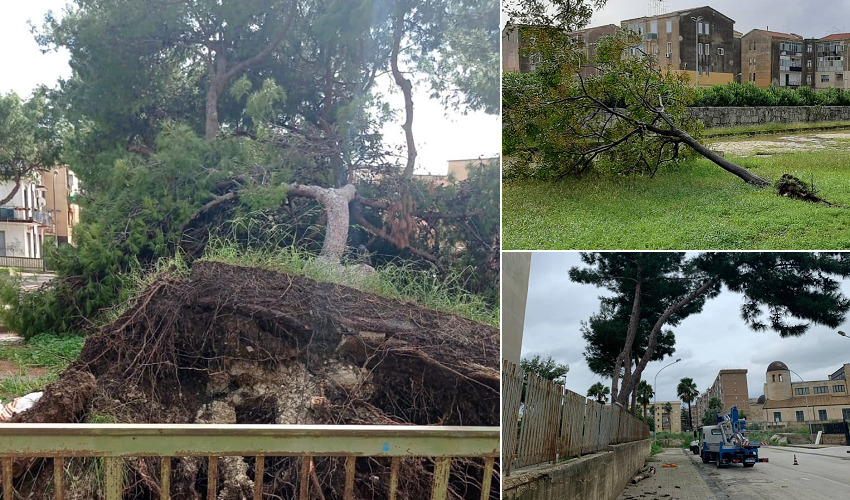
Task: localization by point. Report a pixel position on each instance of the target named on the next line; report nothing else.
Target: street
(822, 473)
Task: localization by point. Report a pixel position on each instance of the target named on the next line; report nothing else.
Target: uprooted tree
(626, 114)
(226, 344)
(782, 292)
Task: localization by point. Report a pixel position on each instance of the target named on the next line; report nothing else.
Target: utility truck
(726, 442)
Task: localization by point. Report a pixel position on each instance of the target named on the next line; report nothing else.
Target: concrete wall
(733, 116)
(601, 476)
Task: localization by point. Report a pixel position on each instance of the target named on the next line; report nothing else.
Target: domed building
(786, 400)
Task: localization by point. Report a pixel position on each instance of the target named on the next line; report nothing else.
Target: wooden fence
(553, 423)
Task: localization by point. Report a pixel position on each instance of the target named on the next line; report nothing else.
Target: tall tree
(710, 416)
(545, 368)
(644, 394)
(29, 139)
(687, 391)
(782, 292)
(599, 392)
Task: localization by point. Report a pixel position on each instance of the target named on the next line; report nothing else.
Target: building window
(799, 416)
(706, 28)
(809, 63)
(809, 47)
(845, 413)
(821, 414)
(777, 416)
(800, 391)
(653, 26)
(838, 388)
(720, 51)
(821, 389)
(699, 28)
(780, 375)
(669, 26)
(754, 79)
(824, 78)
(669, 49)
(707, 49)
(699, 47)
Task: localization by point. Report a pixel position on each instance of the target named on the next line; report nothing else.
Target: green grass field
(694, 205)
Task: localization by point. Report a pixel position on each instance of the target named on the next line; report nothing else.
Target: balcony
(19, 214)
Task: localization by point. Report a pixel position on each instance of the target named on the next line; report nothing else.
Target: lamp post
(843, 334)
(807, 404)
(55, 211)
(655, 405)
(696, 48)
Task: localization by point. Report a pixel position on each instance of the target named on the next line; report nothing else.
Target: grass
(401, 282)
(772, 128)
(693, 205)
(42, 351)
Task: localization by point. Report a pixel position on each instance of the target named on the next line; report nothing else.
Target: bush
(748, 94)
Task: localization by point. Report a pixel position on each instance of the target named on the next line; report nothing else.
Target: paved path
(683, 482)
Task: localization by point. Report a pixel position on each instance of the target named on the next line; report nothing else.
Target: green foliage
(748, 94)
(546, 368)
(656, 449)
(558, 124)
(46, 350)
(29, 134)
(599, 392)
(693, 205)
(710, 416)
(16, 386)
(566, 15)
(687, 391)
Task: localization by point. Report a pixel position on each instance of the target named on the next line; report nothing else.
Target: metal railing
(552, 423)
(114, 442)
(23, 214)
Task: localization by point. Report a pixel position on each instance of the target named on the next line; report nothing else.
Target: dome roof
(760, 400)
(776, 365)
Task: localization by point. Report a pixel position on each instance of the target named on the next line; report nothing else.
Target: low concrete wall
(734, 116)
(601, 476)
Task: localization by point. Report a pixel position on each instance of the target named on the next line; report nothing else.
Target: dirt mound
(232, 344)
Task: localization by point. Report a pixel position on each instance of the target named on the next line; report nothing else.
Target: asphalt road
(822, 473)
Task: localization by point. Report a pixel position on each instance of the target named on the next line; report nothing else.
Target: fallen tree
(230, 344)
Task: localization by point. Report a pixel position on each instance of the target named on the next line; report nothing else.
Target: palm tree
(644, 394)
(687, 391)
(599, 392)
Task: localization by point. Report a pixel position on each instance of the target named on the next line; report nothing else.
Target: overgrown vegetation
(748, 94)
(45, 351)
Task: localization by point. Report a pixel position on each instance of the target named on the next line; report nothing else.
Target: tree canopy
(687, 391)
(782, 292)
(545, 368)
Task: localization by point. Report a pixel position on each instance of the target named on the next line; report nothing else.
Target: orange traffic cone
(795, 460)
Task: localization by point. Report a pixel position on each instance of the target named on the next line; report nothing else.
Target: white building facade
(23, 218)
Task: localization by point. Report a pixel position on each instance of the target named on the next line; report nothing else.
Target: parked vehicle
(726, 443)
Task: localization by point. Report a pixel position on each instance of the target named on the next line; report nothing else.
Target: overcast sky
(777, 15)
(708, 342)
(439, 137)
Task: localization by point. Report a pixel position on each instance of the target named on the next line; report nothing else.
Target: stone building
(699, 42)
(772, 58)
(788, 401)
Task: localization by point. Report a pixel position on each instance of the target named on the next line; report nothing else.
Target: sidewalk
(682, 482)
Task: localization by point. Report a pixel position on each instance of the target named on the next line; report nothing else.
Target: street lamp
(655, 386)
(55, 210)
(696, 48)
(807, 404)
(843, 334)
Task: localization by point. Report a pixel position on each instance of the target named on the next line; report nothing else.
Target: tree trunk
(723, 163)
(690, 417)
(407, 90)
(335, 202)
(653, 336)
(14, 191)
(625, 355)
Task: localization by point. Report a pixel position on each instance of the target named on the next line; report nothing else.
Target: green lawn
(695, 205)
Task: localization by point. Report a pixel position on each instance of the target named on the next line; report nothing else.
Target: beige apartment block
(664, 421)
(61, 188)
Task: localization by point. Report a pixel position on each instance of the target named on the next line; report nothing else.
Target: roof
(836, 36)
(776, 34)
(679, 13)
(777, 365)
(813, 400)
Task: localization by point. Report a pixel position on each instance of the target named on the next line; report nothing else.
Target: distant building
(23, 218)
(459, 170)
(667, 422)
(730, 387)
(831, 66)
(787, 401)
(62, 188)
(699, 42)
(772, 58)
(589, 39)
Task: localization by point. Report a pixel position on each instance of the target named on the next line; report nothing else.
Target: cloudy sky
(777, 15)
(439, 137)
(713, 340)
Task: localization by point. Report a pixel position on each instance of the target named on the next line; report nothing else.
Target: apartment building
(61, 188)
(23, 218)
(830, 61)
(772, 58)
(589, 39)
(700, 42)
(730, 387)
(667, 421)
